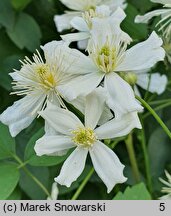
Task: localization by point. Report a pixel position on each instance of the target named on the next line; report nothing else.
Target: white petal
(103, 29)
(115, 4)
(162, 1)
(121, 98)
(82, 44)
(80, 24)
(103, 10)
(107, 165)
(69, 38)
(48, 145)
(106, 115)
(68, 61)
(81, 85)
(72, 167)
(155, 83)
(62, 22)
(79, 103)
(63, 121)
(75, 4)
(21, 114)
(50, 131)
(143, 55)
(148, 16)
(136, 90)
(94, 107)
(118, 127)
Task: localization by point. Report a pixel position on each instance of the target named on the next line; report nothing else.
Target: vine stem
(133, 161)
(158, 108)
(146, 159)
(22, 165)
(81, 187)
(158, 119)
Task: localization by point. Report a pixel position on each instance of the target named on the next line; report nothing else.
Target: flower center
(46, 76)
(89, 14)
(105, 58)
(129, 77)
(84, 137)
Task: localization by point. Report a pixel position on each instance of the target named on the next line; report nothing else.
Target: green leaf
(136, 31)
(16, 195)
(29, 186)
(26, 32)
(7, 15)
(7, 143)
(143, 6)
(159, 148)
(7, 65)
(35, 160)
(8, 180)
(20, 4)
(137, 192)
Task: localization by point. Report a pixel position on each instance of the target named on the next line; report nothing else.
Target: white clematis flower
(84, 24)
(167, 189)
(108, 55)
(165, 22)
(86, 138)
(79, 7)
(39, 81)
(153, 82)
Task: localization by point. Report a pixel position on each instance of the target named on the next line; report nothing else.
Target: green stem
(133, 161)
(81, 187)
(158, 108)
(159, 102)
(158, 119)
(146, 159)
(31, 175)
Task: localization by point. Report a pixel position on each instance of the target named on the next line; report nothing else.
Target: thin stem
(31, 175)
(146, 159)
(158, 108)
(81, 187)
(158, 119)
(133, 160)
(159, 102)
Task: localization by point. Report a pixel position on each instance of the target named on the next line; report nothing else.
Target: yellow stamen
(84, 137)
(46, 76)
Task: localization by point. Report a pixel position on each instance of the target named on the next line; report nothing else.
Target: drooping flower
(78, 7)
(153, 82)
(84, 25)
(166, 190)
(71, 132)
(108, 55)
(165, 22)
(38, 81)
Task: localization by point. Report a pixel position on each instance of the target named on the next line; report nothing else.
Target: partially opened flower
(165, 22)
(109, 55)
(38, 81)
(84, 24)
(153, 82)
(166, 190)
(71, 132)
(79, 7)
(54, 192)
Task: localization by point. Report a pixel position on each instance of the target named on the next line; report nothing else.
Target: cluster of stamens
(46, 76)
(89, 14)
(84, 137)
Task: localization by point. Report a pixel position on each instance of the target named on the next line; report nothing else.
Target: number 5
(162, 206)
